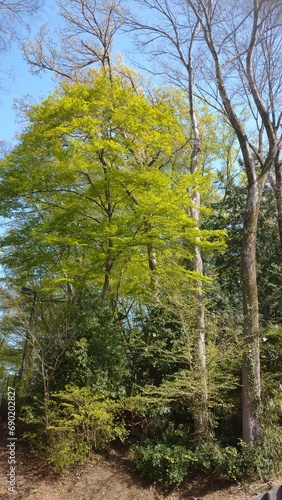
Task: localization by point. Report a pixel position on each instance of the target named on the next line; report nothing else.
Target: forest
(141, 239)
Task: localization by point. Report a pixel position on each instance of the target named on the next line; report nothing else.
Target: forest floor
(103, 478)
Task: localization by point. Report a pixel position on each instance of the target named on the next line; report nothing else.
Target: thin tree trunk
(45, 379)
(201, 408)
(152, 262)
(109, 213)
(108, 268)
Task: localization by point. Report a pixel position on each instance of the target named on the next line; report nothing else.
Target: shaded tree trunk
(106, 284)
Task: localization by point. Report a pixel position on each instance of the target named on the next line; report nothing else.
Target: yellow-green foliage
(80, 422)
(102, 174)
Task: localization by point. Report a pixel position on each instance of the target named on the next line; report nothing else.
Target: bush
(214, 459)
(65, 450)
(162, 463)
(168, 463)
(78, 423)
(244, 462)
(263, 459)
(272, 447)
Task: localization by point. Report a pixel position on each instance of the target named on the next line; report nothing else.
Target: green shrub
(211, 458)
(272, 447)
(259, 460)
(162, 463)
(263, 459)
(65, 450)
(169, 463)
(78, 422)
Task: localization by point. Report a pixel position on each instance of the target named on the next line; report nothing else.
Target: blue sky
(22, 81)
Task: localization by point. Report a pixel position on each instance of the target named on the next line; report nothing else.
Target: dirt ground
(103, 479)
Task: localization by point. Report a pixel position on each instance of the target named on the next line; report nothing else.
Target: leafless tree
(86, 39)
(14, 20)
(237, 66)
(175, 46)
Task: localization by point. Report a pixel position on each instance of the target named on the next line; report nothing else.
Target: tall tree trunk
(109, 213)
(201, 408)
(251, 353)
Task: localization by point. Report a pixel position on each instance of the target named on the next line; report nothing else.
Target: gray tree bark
(201, 410)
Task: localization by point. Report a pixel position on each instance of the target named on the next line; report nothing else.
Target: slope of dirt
(100, 479)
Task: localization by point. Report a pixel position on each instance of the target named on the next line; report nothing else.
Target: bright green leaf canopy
(97, 182)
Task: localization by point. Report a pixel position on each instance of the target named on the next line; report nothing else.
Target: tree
(196, 162)
(260, 21)
(86, 39)
(201, 417)
(238, 72)
(98, 25)
(99, 186)
(96, 190)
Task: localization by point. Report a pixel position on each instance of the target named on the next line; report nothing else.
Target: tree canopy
(96, 183)
(141, 256)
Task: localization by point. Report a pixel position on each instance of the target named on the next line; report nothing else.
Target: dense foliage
(99, 194)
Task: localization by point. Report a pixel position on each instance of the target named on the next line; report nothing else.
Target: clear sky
(22, 81)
